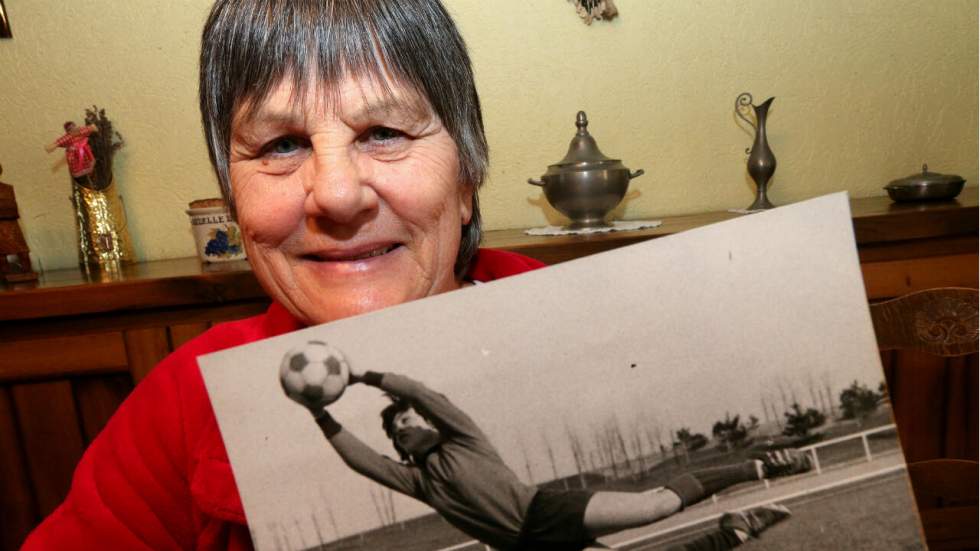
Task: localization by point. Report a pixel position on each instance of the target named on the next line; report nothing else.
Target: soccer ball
(314, 374)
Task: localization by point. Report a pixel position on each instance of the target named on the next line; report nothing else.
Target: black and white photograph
(645, 398)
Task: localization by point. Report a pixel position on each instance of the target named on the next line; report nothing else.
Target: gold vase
(103, 237)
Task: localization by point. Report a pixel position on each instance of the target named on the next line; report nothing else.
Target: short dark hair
(388, 415)
(249, 46)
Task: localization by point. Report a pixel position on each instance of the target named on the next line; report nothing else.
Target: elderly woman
(348, 137)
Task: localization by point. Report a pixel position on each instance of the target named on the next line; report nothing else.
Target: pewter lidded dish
(586, 184)
(925, 186)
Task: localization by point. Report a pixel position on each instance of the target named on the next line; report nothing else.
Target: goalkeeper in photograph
(449, 464)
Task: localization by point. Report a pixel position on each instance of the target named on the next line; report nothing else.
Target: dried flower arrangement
(599, 10)
(103, 234)
(104, 145)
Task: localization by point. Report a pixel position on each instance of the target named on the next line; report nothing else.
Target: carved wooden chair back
(942, 322)
(939, 321)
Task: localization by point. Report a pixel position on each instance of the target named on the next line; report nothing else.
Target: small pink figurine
(81, 161)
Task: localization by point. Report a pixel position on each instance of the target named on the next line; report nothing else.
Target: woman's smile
(354, 260)
(351, 205)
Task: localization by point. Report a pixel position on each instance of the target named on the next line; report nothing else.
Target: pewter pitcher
(762, 162)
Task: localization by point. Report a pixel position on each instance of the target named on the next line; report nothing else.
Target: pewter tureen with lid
(586, 184)
(924, 186)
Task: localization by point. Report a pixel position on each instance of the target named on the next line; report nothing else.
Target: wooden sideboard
(902, 247)
(73, 344)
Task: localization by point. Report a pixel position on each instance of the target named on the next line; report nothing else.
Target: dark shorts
(554, 522)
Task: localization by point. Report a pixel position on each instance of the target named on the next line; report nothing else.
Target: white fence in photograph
(864, 441)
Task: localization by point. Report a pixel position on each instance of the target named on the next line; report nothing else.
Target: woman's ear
(465, 204)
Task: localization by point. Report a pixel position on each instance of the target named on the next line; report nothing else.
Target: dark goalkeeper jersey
(463, 479)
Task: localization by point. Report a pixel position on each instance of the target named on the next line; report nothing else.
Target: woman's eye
(383, 134)
(283, 146)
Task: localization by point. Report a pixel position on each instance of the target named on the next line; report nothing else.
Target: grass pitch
(875, 514)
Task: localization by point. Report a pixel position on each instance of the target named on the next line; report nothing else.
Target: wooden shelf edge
(884, 230)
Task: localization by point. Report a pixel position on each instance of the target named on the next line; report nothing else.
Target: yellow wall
(865, 92)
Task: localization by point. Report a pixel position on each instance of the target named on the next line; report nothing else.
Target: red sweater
(158, 476)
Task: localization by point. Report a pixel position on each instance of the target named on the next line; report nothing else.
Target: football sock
(694, 486)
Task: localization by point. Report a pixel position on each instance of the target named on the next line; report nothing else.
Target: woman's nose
(337, 188)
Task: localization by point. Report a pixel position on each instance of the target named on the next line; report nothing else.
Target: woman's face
(348, 206)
